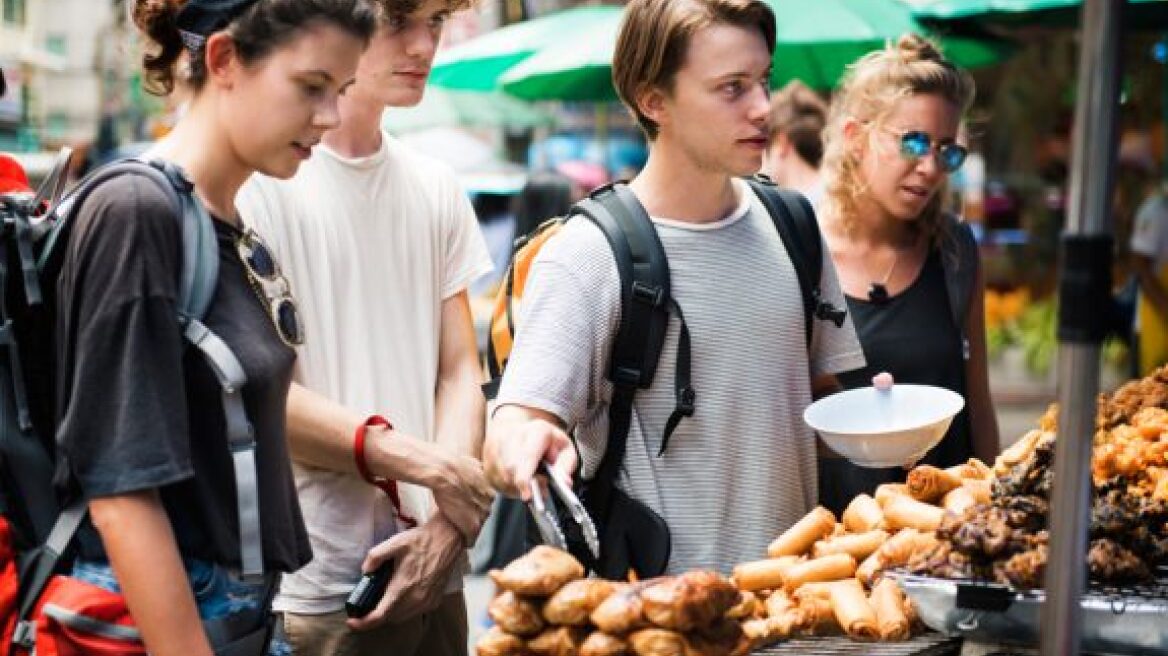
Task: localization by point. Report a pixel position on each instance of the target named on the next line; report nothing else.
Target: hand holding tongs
(544, 511)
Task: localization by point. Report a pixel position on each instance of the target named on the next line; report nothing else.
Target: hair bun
(156, 17)
(156, 20)
(914, 47)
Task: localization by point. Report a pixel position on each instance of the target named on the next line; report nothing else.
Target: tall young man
(743, 467)
(380, 244)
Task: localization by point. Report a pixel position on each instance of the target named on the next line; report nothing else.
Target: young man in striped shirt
(743, 467)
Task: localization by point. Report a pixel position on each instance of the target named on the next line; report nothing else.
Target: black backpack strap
(39, 570)
(795, 221)
(960, 260)
(645, 295)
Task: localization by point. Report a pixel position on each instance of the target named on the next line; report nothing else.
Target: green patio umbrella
(1139, 14)
(567, 55)
(472, 109)
(817, 40)
(477, 64)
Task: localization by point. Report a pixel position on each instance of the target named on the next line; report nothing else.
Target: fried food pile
(546, 608)
(825, 576)
(1006, 540)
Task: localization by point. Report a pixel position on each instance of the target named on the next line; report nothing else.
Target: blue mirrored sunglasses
(915, 144)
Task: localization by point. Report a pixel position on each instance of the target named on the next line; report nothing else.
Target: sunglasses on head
(916, 144)
(264, 275)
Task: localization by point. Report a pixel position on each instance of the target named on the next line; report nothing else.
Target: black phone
(368, 591)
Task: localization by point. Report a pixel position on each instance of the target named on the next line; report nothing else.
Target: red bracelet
(388, 486)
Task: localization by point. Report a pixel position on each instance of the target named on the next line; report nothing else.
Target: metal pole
(1084, 289)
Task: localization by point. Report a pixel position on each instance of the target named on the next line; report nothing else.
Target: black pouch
(632, 537)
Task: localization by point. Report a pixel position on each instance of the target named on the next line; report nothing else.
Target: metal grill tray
(1115, 619)
(928, 644)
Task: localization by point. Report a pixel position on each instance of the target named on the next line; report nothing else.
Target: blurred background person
(795, 149)
(1149, 247)
(909, 270)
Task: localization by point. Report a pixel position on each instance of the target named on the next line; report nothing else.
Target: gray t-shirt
(743, 468)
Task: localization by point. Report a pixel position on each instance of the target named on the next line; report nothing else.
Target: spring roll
(905, 512)
(813, 589)
(763, 574)
(888, 491)
(958, 499)
(779, 603)
(982, 490)
(856, 545)
(798, 539)
(887, 602)
(828, 568)
(973, 468)
(901, 547)
(1016, 452)
(815, 616)
(852, 611)
(897, 551)
(928, 484)
(863, 514)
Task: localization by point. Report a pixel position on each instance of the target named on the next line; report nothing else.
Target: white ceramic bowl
(884, 428)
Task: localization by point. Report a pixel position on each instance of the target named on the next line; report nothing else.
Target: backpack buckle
(825, 311)
(654, 296)
(686, 400)
(24, 635)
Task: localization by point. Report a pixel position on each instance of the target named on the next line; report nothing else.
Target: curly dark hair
(257, 29)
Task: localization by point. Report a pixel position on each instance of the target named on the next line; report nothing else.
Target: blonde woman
(908, 268)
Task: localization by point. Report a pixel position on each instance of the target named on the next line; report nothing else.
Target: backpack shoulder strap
(960, 261)
(200, 260)
(795, 220)
(645, 304)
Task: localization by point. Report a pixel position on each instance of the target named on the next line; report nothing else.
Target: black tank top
(913, 337)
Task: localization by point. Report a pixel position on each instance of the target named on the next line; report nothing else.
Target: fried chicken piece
(622, 611)
(539, 573)
(719, 639)
(572, 604)
(688, 601)
(516, 615)
(498, 642)
(1121, 406)
(748, 606)
(599, 643)
(943, 561)
(558, 641)
(1023, 570)
(1110, 562)
(1025, 512)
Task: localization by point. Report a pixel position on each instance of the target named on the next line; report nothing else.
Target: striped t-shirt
(743, 468)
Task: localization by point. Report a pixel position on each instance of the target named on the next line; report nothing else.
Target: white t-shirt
(371, 247)
(743, 468)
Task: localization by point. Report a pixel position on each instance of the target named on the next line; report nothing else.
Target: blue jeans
(217, 593)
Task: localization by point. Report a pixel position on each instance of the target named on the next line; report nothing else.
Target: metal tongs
(544, 510)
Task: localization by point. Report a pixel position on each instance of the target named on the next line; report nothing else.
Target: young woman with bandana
(142, 431)
(909, 269)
